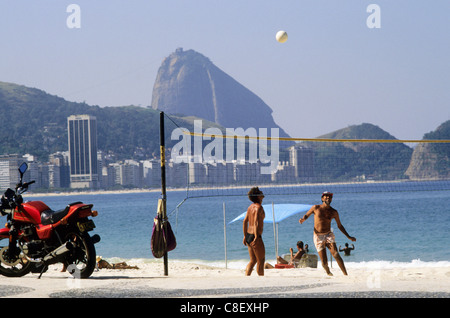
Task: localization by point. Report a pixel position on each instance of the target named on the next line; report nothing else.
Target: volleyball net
(207, 160)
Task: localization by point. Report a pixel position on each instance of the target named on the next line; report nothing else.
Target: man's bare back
(253, 226)
(253, 221)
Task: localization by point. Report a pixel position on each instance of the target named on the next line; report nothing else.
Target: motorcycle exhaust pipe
(66, 247)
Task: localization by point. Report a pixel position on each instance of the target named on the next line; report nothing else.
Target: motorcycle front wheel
(13, 267)
(80, 262)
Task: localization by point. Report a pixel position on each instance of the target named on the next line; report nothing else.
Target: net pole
(275, 234)
(163, 184)
(225, 235)
(277, 240)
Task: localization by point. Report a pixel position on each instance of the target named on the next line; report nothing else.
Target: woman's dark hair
(254, 193)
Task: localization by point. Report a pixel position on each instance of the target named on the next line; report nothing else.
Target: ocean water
(403, 228)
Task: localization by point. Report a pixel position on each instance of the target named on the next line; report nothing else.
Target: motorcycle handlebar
(26, 184)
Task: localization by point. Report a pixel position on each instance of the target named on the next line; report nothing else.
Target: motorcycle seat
(51, 217)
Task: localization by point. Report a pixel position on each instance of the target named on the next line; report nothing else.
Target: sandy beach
(188, 280)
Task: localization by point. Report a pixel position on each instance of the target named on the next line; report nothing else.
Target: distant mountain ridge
(36, 122)
(343, 161)
(429, 160)
(189, 83)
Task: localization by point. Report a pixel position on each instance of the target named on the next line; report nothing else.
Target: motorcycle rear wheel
(17, 267)
(80, 262)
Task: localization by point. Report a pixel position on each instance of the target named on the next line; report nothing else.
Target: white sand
(193, 280)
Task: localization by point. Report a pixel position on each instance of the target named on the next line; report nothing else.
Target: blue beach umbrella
(278, 212)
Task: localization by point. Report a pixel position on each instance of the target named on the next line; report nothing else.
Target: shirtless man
(253, 229)
(323, 237)
(346, 249)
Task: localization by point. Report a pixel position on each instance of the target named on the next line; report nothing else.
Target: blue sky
(334, 71)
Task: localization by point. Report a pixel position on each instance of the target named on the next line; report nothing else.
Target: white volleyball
(281, 36)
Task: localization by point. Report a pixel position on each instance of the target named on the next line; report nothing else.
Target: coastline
(72, 193)
(193, 280)
(232, 187)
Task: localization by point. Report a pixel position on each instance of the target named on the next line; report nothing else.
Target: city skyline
(83, 166)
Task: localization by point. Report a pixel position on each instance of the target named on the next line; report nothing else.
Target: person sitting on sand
(101, 263)
(294, 258)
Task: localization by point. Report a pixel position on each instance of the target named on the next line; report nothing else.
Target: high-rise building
(9, 173)
(82, 132)
(60, 162)
(302, 158)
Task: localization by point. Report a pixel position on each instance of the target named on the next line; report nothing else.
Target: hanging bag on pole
(158, 243)
(163, 240)
(170, 238)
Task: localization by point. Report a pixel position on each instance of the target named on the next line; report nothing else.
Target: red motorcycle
(37, 236)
